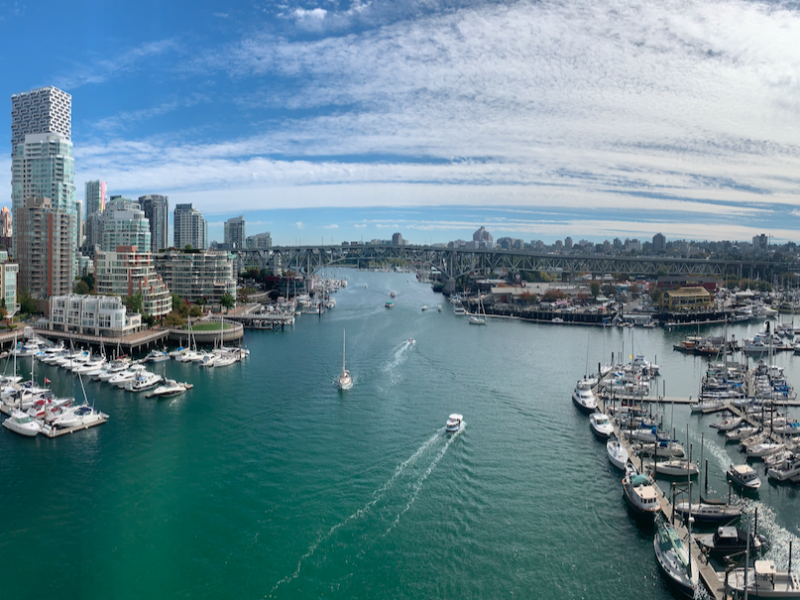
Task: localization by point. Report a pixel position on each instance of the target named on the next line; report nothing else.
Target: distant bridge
(453, 263)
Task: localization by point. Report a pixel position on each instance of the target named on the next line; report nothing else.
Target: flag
(46, 380)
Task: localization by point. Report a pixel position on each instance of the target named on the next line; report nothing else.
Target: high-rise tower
(156, 209)
(190, 227)
(42, 166)
(95, 196)
(235, 232)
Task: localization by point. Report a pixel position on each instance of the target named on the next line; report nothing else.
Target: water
(266, 481)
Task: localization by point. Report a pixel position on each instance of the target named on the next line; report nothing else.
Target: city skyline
(537, 120)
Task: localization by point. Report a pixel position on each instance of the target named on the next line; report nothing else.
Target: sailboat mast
(343, 336)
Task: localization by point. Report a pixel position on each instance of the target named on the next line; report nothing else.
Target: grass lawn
(212, 326)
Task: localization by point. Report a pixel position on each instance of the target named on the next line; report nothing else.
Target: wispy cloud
(332, 226)
(124, 120)
(103, 69)
(300, 225)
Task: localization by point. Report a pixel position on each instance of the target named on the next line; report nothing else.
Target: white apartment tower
(235, 232)
(190, 227)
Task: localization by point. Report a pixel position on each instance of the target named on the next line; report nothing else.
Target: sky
(326, 121)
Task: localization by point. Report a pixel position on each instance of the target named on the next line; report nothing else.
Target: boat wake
(398, 357)
(376, 497)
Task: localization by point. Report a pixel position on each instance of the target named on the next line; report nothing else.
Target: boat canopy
(640, 480)
(456, 417)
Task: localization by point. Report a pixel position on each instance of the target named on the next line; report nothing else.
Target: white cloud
(300, 225)
(333, 226)
(309, 19)
(360, 225)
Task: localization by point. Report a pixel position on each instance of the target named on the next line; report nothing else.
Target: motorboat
(45, 406)
(617, 454)
(439, 308)
(189, 356)
(424, 308)
(123, 377)
(344, 381)
(763, 449)
(177, 352)
(113, 368)
(730, 540)
(23, 424)
(583, 397)
(601, 425)
(143, 382)
(157, 356)
(640, 493)
(169, 388)
(789, 468)
(709, 512)
(89, 366)
(674, 558)
(454, 423)
(763, 581)
(744, 476)
(209, 360)
(79, 415)
(225, 360)
(740, 433)
(459, 310)
(389, 304)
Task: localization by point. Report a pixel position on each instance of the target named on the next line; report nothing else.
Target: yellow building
(687, 298)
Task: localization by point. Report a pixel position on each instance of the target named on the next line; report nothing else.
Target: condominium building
(5, 222)
(124, 224)
(234, 232)
(260, 241)
(44, 248)
(42, 166)
(8, 284)
(78, 223)
(195, 274)
(156, 210)
(126, 271)
(92, 315)
(96, 193)
(190, 228)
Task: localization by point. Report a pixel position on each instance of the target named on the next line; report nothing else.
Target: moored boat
(583, 397)
(601, 425)
(617, 454)
(640, 493)
(23, 424)
(730, 540)
(674, 558)
(763, 581)
(744, 476)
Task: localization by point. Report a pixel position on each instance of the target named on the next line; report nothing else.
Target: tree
(81, 287)
(174, 319)
(553, 296)
(228, 301)
(634, 290)
(608, 290)
(595, 287)
(27, 305)
(135, 302)
(656, 295)
(187, 247)
(195, 311)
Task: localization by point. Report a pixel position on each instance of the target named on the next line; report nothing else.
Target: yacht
(674, 468)
(89, 366)
(789, 468)
(744, 476)
(114, 368)
(225, 360)
(617, 454)
(77, 416)
(640, 493)
(730, 540)
(157, 356)
(22, 424)
(763, 581)
(345, 382)
(459, 311)
(168, 389)
(189, 356)
(601, 425)
(583, 397)
(454, 423)
(674, 558)
(209, 360)
(143, 382)
(121, 378)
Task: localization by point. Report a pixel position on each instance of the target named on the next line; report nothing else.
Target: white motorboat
(583, 397)
(617, 454)
(424, 308)
(738, 434)
(168, 389)
(189, 356)
(209, 360)
(225, 360)
(156, 356)
(112, 369)
(177, 352)
(123, 377)
(674, 559)
(454, 423)
(344, 381)
(88, 367)
(22, 424)
(77, 416)
(789, 468)
(144, 382)
(727, 424)
(744, 476)
(601, 425)
(763, 581)
(459, 310)
(763, 449)
(640, 493)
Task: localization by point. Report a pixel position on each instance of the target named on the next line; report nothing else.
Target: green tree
(81, 287)
(27, 305)
(656, 295)
(174, 319)
(595, 288)
(228, 301)
(195, 311)
(135, 302)
(608, 290)
(187, 247)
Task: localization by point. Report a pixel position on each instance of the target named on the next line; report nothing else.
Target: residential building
(196, 274)
(92, 315)
(568, 243)
(126, 271)
(260, 241)
(234, 232)
(761, 242)
(5, 223)
(44, 248)
(96, 194)
(481, 235)
(78, 223)
(93, 232)
(397, 239)
(8, 284)
(124, 224)
(42, 166)
(190, 228)
(659, 242)
(156, 210)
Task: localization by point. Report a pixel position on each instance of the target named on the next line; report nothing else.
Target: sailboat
(345, 382)
(480, 318)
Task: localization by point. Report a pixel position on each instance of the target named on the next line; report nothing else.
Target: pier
(56, 432)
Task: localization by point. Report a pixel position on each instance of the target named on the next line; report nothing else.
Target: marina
(335, 482)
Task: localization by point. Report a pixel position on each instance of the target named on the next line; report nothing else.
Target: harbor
(268, 465)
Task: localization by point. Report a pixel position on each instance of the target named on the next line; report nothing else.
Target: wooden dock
(712, 580)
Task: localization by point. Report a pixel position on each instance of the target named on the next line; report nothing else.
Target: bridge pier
(449, 286)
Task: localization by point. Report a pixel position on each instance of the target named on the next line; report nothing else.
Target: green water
(266, 481)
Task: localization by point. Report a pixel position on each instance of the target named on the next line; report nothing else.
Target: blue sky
(337, 120)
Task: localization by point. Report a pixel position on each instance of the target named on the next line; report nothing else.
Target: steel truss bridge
(453, 263)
